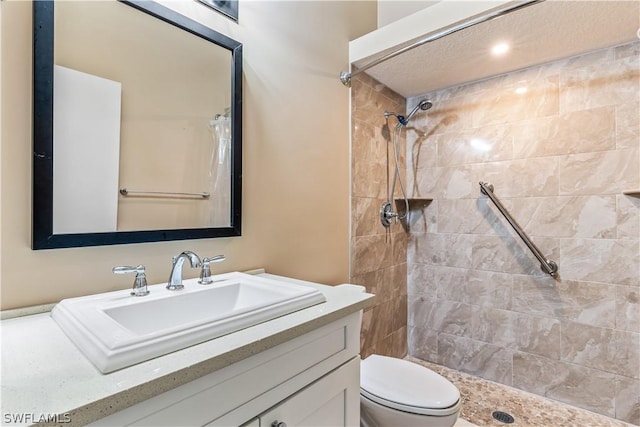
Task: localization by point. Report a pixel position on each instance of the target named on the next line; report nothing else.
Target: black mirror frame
(42, 196)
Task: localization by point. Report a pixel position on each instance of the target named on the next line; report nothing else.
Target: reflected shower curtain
(220, 172)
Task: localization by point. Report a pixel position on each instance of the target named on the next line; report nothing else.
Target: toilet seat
(408, 387)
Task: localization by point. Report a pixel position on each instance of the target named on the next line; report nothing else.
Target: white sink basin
(115, 330)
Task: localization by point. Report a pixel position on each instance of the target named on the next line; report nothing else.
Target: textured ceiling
(537, 34)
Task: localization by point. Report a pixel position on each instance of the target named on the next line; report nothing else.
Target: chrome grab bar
(126, 192)
(548, 266)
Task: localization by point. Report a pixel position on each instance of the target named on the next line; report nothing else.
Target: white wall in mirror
(86, 135)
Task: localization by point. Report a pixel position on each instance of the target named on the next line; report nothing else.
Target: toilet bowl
(398, 393)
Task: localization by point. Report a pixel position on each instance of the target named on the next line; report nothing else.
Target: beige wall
(392, 10)
(296, 167)
(560, 142)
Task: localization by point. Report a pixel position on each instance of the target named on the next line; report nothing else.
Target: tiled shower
(560, 142)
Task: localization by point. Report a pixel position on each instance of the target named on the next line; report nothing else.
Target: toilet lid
(407, 386)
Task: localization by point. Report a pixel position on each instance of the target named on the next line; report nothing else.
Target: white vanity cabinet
(310, 380)
(333, 400)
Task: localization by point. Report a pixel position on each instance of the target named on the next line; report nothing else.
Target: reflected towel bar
(548, 266)
(126, 192)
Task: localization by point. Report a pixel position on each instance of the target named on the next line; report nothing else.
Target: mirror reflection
(146, 125)
(153, 98)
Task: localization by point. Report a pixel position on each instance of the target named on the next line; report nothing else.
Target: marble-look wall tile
(451, 250)
(450, 113)
(494, 326)
(519, 178)
(371, 253)
(369, 98)
(422, 150)
(386, 283)
(369, 145)
(400, 315)
(399, 243)
(508, 254)
(628, 400)
(450, 317)
(628, 308)
(538, 335)
(590, 59)
(599, 85)
(573, 384)
(605, 349)
(584, 174)
(485, 144)
(559, 157)
(378, 322)
(468, 216)
(369, 180)
(601, 260)
(627, 217)
(576, 132)
(579, 216)
(423, 343)
(511, 330)
(393, 345)
(424, 280)
(505, 105)
(584, 302)
(486, 289)
(366, 216)
(378, 259)
(628, 125)
(447, 183)
(474, 357)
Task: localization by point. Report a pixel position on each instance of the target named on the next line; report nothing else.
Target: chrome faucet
(175, 279)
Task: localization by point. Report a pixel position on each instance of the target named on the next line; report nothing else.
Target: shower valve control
(387, 214)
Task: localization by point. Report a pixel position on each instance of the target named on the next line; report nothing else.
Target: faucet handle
(139, 283)
(205, 273)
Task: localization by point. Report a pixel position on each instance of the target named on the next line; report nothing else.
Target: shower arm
(345, 76)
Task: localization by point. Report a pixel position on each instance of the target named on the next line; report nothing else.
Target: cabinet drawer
(307, 357)
(332, 401)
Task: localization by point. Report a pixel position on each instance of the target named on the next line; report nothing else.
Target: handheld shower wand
(387, 213)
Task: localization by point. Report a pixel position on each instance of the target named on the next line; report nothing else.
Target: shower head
(423, 105)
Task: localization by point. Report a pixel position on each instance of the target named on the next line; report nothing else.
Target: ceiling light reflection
(500, 49)
(480, 145)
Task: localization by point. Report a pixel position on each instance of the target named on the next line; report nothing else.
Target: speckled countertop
(43, 372)
(481, 397)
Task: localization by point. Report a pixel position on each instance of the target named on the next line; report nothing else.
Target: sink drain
(503, 417)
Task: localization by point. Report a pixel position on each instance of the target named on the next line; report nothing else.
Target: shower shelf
(414, 202)
(632, 193)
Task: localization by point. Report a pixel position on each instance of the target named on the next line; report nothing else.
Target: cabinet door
(333, 400)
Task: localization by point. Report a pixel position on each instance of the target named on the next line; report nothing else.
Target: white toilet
(398, 393)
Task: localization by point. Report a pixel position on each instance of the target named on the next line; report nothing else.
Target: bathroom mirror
(136, 128)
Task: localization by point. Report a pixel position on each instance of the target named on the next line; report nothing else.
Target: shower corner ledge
(414, 202)
(633, 193)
